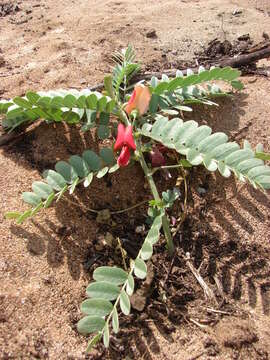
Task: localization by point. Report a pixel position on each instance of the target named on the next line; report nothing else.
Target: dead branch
(246, 59)
(207, 290)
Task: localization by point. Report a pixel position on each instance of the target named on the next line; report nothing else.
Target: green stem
(151, 182)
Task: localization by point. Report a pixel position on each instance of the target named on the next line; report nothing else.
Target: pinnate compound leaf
(212, 150)
(98, 307)
(103, 290)
(90, 324)
(113, 275)
(124, 302)
(140, 268)
(115, 321)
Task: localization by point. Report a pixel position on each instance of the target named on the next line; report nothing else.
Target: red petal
(120, 139)
(124, 156)
(128, 138)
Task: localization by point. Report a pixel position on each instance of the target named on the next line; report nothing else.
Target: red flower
(125, 142)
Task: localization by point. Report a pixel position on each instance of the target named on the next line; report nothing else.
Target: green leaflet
(115, 321)
(124, 303)
(66, 177)
(212, 150)
(106, 336)
(98, 307)
(90, 324)
(61, 105)
(107, 288)
(140, 268)
(113, 275)
(103, 290)
(130, 285)
(226, 74)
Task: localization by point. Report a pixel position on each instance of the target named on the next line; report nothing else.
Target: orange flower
(140, 100)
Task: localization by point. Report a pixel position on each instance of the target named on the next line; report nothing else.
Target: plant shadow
(211, 232)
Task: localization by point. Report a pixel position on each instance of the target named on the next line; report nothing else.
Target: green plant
(148, 124)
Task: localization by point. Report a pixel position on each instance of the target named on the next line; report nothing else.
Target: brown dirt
(46, 264)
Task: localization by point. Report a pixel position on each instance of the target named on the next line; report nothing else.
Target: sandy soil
(45, 265)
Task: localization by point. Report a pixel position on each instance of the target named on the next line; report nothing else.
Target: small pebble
(237, 12)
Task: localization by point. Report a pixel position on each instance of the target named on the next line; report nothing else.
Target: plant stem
(151, 182)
